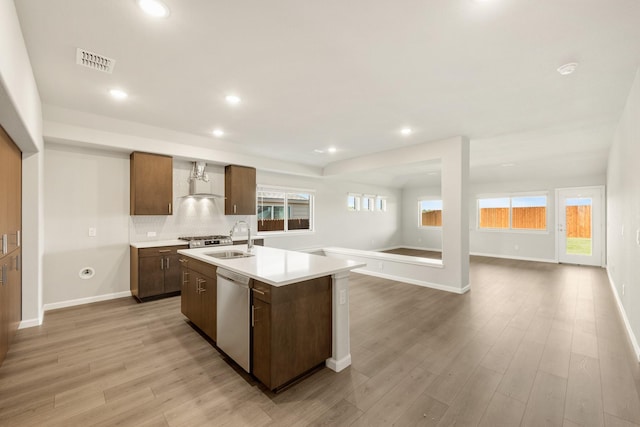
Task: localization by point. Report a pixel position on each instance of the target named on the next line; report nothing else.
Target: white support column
(341, 356)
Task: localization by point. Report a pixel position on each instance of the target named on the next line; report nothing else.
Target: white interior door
(580, 229)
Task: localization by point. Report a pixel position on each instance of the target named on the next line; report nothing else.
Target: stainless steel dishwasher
(233, 331)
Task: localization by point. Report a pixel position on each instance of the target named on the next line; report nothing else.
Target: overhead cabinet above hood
(199, 183)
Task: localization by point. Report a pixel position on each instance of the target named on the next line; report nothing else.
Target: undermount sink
(229, 254)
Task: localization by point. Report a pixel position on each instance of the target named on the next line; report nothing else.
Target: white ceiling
(352, 74)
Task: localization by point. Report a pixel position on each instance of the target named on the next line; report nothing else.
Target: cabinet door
(151, 276)
(172, 273)
(151, 189)
(190, 298)
(208, 300)
(261, 355)
(240, 190)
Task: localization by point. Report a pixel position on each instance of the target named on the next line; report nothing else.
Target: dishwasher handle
(235, 278)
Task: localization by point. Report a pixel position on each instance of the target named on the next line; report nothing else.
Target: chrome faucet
(249, 241)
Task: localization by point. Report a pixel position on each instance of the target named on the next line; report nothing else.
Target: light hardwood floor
(532, 344)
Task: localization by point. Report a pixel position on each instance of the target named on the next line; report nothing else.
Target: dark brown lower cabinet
(155, 272)
(199, 294)
(291, 330)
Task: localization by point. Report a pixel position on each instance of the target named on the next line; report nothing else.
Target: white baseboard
(338, 365)
(88, 300)
(519, 258)
(414, 281)
(30, 323)
(623, 313)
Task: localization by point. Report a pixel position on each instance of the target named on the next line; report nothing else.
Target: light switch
(92, 232)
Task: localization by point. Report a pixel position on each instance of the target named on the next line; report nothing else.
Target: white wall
(334, 224)
(623, 213)
(21, 117)
(531, 246)
(85, 188)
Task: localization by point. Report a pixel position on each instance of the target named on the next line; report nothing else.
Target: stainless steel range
(202, 241)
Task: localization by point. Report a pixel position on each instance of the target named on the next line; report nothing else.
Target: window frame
(511, 196)
(428, 199)
(287, 209)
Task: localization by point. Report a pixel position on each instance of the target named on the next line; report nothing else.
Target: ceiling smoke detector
(567, 69)
(94, 61)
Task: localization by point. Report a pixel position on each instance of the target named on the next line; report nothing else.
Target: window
(430, 213)
(353, 202)
(368, 203)
(283, 210)
(513, 213)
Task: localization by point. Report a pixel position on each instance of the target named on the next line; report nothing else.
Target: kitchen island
(297, 288)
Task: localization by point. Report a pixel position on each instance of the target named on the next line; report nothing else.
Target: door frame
(603, 221)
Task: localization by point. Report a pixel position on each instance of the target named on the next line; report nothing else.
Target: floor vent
(94, 61)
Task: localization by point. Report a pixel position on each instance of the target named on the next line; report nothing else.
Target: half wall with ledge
(419, 271)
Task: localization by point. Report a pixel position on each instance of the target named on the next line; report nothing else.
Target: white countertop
(159, 243)
(277, 267)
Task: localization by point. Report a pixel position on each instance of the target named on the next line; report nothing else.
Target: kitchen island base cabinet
(198, 295)
(291, 330)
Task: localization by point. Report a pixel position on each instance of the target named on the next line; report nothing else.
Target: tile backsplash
(191, 216)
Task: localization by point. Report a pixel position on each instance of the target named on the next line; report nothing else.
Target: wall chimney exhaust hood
(199, 184)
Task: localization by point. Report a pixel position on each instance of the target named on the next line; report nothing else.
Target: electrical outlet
(343, 297)
(151, 234)
(93, 232)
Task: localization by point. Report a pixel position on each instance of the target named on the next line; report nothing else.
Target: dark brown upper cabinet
(151, 184)
(239, 190)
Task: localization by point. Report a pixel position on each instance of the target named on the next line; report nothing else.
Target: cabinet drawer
(159, 251)
(261, 291)
(201, 267)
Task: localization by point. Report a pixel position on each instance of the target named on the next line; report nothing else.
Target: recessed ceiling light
(118, 94)
(406, 131)
(154, 8)
(567, 69)
(232, 99)
(332, 150)
(218, 133)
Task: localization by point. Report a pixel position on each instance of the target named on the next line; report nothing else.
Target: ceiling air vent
(94, 61)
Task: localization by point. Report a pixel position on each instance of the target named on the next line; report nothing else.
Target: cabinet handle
(170, 208)
(161, 263)
(18, 262)
(182, 260)
(18, 238)
(258, 291)
(185, 277)
(5, 242)
(168, 263)
(3, 274)
(164, 251)
(234, 208)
